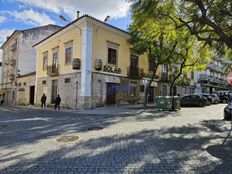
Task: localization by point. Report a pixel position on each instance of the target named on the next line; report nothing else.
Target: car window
(186, 97)
(195, 96)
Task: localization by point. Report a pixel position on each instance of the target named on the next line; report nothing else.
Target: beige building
(26, 89)
(90, 64)
(19, 57)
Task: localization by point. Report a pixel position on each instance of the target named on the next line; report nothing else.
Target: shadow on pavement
(165, 150)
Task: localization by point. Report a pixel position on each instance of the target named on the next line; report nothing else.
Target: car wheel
(201, 104)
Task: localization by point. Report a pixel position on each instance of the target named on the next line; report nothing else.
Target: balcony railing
(215, 67)
(53, 70)
(135, 72)
(211, 79)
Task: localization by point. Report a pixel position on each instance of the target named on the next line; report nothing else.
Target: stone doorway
(111, 93)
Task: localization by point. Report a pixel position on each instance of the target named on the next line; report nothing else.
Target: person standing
(57, 102)
(43, 101)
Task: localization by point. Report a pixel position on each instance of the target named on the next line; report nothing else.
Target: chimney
(78, 14)
(7, 37)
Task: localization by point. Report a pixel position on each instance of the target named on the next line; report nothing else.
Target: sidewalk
(107, 110)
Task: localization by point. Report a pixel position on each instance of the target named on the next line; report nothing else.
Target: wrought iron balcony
(53, 70)
(204, 78)
(135, 72)
(215, 67)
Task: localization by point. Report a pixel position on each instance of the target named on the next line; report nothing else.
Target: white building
(212, 79)
(19, 57)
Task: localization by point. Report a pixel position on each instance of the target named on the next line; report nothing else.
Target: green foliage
(209, 20)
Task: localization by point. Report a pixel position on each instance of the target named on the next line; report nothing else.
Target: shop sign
(108, 68)
(122, 87)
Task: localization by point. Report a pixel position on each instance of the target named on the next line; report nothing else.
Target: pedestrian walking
(2, 101)
(57, 102)
(43, 101)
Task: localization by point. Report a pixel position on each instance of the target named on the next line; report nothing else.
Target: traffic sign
(229, 78)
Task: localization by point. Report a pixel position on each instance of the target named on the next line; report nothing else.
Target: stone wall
(69, 92)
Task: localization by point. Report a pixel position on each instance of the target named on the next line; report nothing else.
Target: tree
(188, 55)
(154, 37)
(208, 20)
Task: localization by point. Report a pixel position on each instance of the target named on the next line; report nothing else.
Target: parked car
(216, 98)
(193, 100)
(227, 112)
(209, 98)
(223, 98)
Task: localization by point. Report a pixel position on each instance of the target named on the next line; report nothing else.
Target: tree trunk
(148, 86)
(171, 89)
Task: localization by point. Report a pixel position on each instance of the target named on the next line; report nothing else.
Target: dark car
(209, 98)
(227, 112)
(224, 98)
(216, 98)
(193, 100)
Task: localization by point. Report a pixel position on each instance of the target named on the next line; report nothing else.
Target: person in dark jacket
(57, 103)
(43, 101)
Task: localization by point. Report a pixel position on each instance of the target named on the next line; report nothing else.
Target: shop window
(67, 80)
(44, 82)
(133, 91)
(45, 60)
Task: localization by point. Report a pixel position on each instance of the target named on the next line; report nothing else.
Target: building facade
(213, 78)
(89, 64)
(26, 89)
(19, 57)
(0, 73)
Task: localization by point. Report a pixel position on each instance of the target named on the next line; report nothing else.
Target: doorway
(54, 90)
(111, 93)
(151, 94)
(32, 95)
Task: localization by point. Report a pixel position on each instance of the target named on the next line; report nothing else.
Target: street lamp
(63, 18)
(106, 18)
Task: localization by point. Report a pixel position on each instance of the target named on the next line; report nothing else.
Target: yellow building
(89, 64)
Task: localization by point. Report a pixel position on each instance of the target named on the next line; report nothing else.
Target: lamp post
(145, 83)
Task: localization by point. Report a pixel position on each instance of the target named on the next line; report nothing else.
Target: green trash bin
(176, 102)
(163, 102)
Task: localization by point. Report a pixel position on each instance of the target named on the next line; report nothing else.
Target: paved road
(186, 141)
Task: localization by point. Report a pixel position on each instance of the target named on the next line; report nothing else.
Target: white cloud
(4, 33)
(32, 17)
(2, 19)
(96, 8)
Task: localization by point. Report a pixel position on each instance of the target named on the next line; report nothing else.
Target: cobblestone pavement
(186, 141)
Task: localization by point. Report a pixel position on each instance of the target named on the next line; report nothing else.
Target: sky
(25, 14)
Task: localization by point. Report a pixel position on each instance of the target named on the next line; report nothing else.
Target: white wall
(0, 75)
(27, 53)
